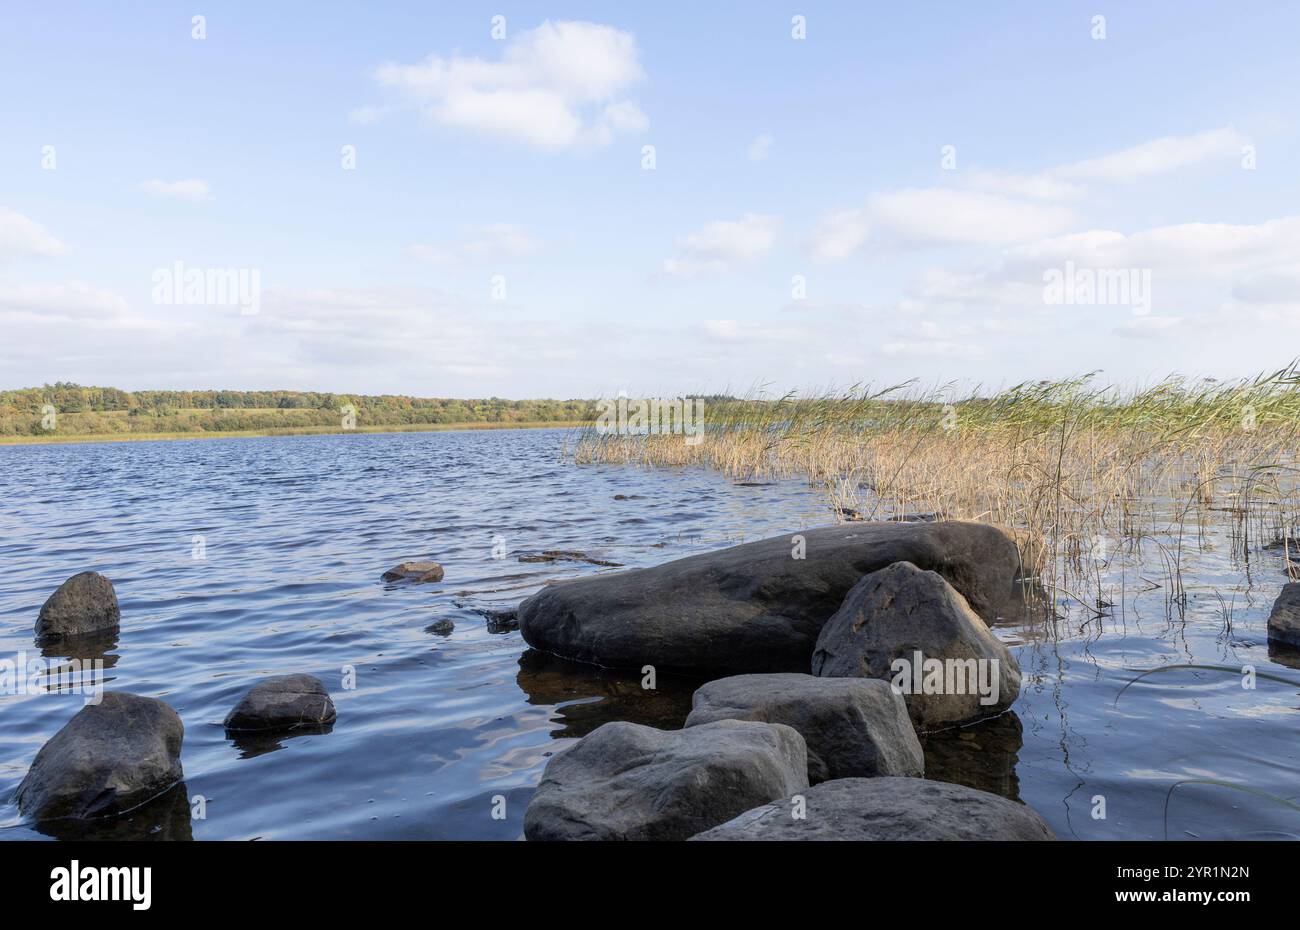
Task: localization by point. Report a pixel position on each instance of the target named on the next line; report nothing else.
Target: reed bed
(1085, 472)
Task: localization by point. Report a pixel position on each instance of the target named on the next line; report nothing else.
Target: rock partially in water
(84, 604)
(956, 670)
(166, 818)
(499, 621)
(629, 782)
(108, 759)
(887, 809)
(756, 607)
(444, 627)
(415, 572)
(567, 555)
(854, 727)
(1284, 621)
(284, 702)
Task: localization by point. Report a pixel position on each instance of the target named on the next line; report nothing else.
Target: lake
(235, 559)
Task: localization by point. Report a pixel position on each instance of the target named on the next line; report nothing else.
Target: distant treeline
(91, 411)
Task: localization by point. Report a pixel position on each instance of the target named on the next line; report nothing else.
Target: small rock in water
(85, 603)
(903, 613)
(284, 702)
(854, 727)
(887, 809)
(624, 781)
(443, 627)
(1284, 621)
(108, 759)
(414, 571)
(499, 621)
(565, 555)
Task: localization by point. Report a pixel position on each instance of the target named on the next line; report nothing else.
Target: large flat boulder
(886, 809)
(84, 604)
(757, 607)
(1284, 621)
(108, 759)
(854, 727)
(624, 781)
(913, 629)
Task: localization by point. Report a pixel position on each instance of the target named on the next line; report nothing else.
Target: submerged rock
(567, 555)
(499, 621)
(583, 697)
(284, 702)
(415, 572)
(444, 627)
(887, 809)
(108, 759)
(854, 727)
(84, 604)
(625, 781)
(757, 607)
(953, 670)
(1284, 621)
(981, 755)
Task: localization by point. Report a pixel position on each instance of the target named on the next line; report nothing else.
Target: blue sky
(516, 163)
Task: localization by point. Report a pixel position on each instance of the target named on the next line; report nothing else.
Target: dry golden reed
(1083, 469)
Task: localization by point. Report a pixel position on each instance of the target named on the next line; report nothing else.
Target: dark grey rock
(567, 555)
(755, 607)
(854, 727)
(109, 758)
(904, 613)
(284, 702)
(887, 809)
(499, 621)
(444, 627)
(414, 571)
(625, 781)
(84, 604)
(1284, 621)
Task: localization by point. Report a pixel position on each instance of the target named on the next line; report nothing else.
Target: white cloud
(724, 244)
(935, 216)
(21, 237)
(558, 86)
(73, 300)
(735, 331)
(838, 235)
(953, 217)
(1148, 327)
(760, 147)
(1275, 286)
(1225, 276)
(494, 242)
(1199, 248)
(932, 349)
(1035, 186)
(189, 189)
(1159, 156)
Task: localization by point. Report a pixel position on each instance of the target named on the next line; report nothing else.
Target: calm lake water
(295, 532)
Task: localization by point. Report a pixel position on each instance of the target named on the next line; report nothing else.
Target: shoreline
(287, 431)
